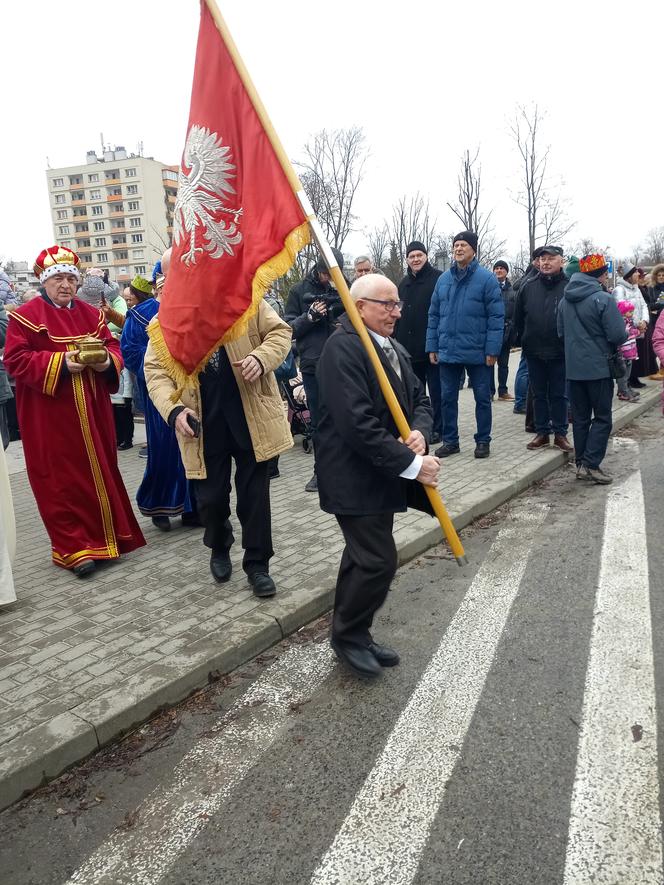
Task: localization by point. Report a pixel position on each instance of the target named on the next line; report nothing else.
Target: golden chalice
(91, 351)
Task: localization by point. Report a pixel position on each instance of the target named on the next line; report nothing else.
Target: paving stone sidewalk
(83, 661)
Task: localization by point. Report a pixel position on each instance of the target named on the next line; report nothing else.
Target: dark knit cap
(468, 236)
(321, 264)
(503, 264)
(416, 246)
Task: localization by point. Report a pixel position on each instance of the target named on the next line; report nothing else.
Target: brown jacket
(268, 338)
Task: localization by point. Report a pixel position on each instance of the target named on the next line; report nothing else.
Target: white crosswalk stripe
(175, 814)
(615, 828)
(382, 838)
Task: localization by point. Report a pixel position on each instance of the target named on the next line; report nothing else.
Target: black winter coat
(509, 303)
(415, 290)
(359, 458)
(536, 316)
(310, 337)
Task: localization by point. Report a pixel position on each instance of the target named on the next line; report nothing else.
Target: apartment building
(115, 211)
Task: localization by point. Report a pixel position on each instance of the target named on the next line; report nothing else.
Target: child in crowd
(629, 352)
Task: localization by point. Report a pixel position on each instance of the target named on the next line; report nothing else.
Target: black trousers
(368, 564)
(429, 375)
(592, 421)
(252, 487)
(124, 421)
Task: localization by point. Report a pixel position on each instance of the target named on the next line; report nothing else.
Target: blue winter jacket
(466, 316)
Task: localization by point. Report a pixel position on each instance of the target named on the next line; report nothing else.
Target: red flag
(237, 225)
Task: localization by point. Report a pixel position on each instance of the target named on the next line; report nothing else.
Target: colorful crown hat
(56, 259)
(143, 285)
(593, 264)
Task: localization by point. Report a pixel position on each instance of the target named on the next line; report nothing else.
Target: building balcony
(76, 187)
(111, 181)
(114, 198)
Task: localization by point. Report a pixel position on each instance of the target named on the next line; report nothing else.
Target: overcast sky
(424, 80)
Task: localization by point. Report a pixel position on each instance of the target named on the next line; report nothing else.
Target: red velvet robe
(66, 424)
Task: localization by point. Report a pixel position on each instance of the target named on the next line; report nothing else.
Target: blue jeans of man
(430, 378)
(521, 382)
(547, 380)
(591, 416)
(480, 380)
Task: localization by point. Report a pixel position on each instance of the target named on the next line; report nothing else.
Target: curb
(44, 752)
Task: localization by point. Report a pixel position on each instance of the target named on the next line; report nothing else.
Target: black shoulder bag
(617, 367)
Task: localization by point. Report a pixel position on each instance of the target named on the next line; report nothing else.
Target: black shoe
(482, 450)
(312, 485)
(220, 566)
(262, 584)
(435, 439)
(84, 569)
(359, 660)
(637, 384)
(163, 523)
(519, 411)
(143, 452)
(386, 657)
(447, 449)
(123, 446)
(191, 520)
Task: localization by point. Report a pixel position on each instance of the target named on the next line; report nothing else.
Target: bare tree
(379, 241)
(519, 262)
(393, 268)
(331, 173)
(655, 245)
(547, 217)
(411, 220)
(467, 209)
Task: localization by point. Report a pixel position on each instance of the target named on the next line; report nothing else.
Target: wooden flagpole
(339, 280)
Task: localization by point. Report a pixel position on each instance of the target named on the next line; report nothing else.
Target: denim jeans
(480, 379)
(547, 380)
(521, 382)
(591, 415)
(623, 383)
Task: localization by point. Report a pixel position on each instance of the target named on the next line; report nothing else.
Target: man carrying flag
(215, 344)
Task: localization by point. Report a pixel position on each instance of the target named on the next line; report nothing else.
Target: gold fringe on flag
(265, 275)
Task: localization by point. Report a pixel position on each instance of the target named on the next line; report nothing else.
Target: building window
(99, 225)
(102, 257)
(63, 230)
(78, 195)
(85, 256)
(100, 241)
(59, 199)
(80, 211)
(62, 214)
(66, 244)
(137, 238)
(117, 224)
(95, 194)
(137, 253)
(83, 243)
(132, 188)
(97, 210)
(58, 182)
(117, 207)
(168, 175)
(132, 206)
(135, 222)
(75, 179)
(122, 254)
(93, 178)
(139, 268)
(123, 271)
(81, 226)
(114, 192)
(120, 239)
(130, 173)
(112, 173)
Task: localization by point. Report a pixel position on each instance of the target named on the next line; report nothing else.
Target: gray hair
(370, 285)
(360, 259)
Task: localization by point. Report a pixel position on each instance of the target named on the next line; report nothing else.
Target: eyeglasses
(390, 306)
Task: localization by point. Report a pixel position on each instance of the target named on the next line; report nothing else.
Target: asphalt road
(516, 744)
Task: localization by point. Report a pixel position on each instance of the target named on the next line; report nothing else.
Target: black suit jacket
(358, 453)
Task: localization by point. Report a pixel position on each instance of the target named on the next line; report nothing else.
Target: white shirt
(413, 469)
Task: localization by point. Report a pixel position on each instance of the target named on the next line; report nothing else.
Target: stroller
(298, 413)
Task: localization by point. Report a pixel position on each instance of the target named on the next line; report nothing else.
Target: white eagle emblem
(203, 183)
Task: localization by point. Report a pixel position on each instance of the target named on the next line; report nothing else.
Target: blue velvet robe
(164, 490)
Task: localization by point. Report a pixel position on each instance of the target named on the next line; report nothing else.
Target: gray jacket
(592, 326)
(5, 387)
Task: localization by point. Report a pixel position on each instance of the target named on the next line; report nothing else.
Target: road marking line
(174, 815)
(382, 838)
(615, 828)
